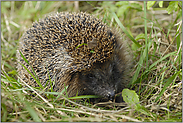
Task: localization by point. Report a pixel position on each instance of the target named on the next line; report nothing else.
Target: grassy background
(154, 38)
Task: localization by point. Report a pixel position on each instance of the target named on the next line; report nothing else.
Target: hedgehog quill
(75, 50)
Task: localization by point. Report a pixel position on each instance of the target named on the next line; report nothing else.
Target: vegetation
(154, 35)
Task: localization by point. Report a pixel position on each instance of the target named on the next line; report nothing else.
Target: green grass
(154, 37)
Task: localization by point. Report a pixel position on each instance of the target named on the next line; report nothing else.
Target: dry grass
(156, 75)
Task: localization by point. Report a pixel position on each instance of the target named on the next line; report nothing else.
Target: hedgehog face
(105, 79)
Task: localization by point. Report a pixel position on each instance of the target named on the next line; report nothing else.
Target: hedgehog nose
(111, 95)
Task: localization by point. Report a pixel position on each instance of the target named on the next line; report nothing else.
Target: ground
(154, 37)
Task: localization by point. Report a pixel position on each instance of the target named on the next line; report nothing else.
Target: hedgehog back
(64, 43)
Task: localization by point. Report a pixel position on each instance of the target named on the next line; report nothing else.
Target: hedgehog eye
(90, 75)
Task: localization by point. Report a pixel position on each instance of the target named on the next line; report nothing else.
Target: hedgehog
(77, 51)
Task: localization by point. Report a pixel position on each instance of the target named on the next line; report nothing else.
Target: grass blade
(169, 81)
(35, 78)
(123, 28)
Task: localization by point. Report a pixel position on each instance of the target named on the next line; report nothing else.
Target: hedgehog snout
(111, 95)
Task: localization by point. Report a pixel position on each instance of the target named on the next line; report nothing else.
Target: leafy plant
(173, 5)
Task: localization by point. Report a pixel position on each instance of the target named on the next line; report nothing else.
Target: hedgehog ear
(92, 43)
